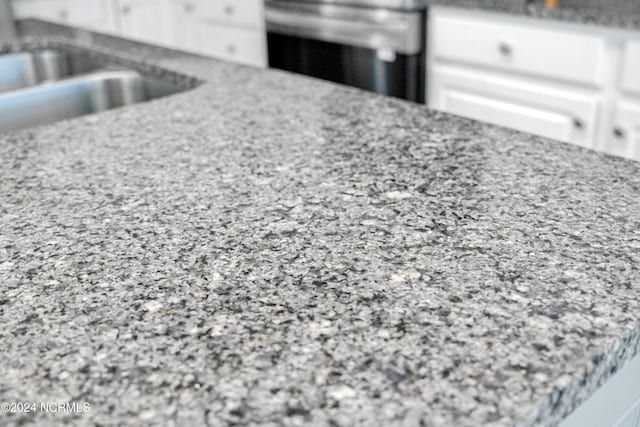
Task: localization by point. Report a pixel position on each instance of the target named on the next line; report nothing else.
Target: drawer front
(523, 48)
(51, 10)
(232, 44)
(93, 15)
(554, 113)
(631, 67)
(244, 13)
(624, 139)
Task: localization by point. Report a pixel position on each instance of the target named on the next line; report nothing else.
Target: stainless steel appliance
(377, 45)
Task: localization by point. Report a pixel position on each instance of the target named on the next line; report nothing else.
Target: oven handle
(369, 28)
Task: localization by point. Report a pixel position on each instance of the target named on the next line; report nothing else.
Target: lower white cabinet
(195, 29)
(143, 20)
(232, 30)
(96, 14)
(233, 44)
(624, 137)
(569, 82)
(631, 67)
(551, 112)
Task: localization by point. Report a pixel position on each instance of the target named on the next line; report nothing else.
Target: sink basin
(23, 69)
(77, 96)
(44, 86)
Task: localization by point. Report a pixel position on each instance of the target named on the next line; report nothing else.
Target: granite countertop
(618, 14)
(269, 249)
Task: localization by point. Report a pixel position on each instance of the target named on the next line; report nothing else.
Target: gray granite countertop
(272, 250)
(619, 14)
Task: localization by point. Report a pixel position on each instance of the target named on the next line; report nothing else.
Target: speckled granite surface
(620, 14)
(272, 250)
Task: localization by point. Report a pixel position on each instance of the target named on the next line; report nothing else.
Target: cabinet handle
(231, 49)
(188, 7)
(229, 10)
(126, 9)
(618, 132)
(505, 49)
(578, 124)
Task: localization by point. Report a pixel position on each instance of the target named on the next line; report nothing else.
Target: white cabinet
(233, 44)
(569, 82)
(229, 30)
(551, 112)
(520, 48)
(238, 13)
(143, 20)
(631, 67)
(232, 30)
(94, 15)
(624, 137)
(185, 24)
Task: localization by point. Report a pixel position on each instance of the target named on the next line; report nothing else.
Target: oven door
(372, 48)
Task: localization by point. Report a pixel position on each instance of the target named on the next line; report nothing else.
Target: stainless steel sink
(48, 85)
(23, 69)
(77, 96)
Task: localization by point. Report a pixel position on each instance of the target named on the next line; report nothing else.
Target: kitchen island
(269, 249)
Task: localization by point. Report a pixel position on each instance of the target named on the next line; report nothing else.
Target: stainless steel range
(377, 45)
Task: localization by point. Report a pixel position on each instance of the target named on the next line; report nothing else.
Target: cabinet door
(143, 20)
(244, 46)
(95, 15)
(185, 20)
(49, 10)
(631, 67)
(562, 114)
(518, 45)
(244, 13)
(624, 139)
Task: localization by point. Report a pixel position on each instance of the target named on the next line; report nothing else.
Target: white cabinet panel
(50, 10)
(94, 15)
(247, 13)
(185, 24)
(624, 137)
(631, 67)
(196, 34)
(524, 48)
(143, 20)
(551, 112)
(233, 44)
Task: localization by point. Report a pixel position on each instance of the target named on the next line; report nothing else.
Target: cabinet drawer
(232, 44)
(247, 13)
(523, 48)
(624, 139)
(631, 67)
(95, 15)
(554, 113)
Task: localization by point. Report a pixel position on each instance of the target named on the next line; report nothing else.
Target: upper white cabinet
(572, 83)
(96, 14)
(519, 48)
